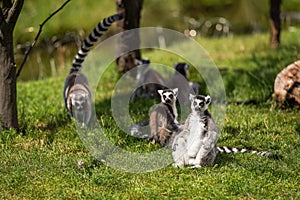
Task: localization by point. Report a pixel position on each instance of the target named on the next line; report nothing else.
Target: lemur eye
(201, 104)
(171, 96)
(195, 103)
(164, 96)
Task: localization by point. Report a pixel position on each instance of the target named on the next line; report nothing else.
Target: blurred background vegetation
(244, 16)
(64, 32)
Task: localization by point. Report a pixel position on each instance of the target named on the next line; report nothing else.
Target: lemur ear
(175, 91)
(192, 97)
(72, 95)
(160, 92)
(207, 99)
(85, 95)
(186, 66)
(66, 91)
(137, 62)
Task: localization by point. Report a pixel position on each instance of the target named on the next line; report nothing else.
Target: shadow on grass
(48, 125)
(298, 128)
(224, 160)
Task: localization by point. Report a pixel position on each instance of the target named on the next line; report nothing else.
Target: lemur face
(199, 103)
(168, 95)
(78, 100)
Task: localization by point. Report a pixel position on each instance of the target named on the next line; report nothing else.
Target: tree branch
(38, 35)
(14, 11)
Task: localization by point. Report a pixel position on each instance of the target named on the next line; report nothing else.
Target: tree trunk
(275, 23)
(132, 12)
(8, 91)
(9, 14)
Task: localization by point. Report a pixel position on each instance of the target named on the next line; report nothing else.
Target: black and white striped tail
(98, 31)
(228, 150)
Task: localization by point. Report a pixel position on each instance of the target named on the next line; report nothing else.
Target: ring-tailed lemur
(77, 94)
(180, 80)
(196, 144)
(148, 80)
(163, 120)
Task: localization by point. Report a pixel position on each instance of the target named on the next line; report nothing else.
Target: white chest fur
(175, 114)
(196, 134)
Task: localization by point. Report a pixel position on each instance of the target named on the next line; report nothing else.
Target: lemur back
(196, 145)
(180, 80)
(149, 79)
(77, 94)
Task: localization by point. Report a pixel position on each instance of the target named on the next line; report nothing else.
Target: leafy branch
(38, 35)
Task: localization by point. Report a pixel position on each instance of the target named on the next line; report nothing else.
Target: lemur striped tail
(98, 31)
(228, 150)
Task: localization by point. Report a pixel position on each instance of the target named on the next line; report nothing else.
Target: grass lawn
(42, 161)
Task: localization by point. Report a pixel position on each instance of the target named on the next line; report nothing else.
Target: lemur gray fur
(77, 94)
(196, 144)
(163, 120)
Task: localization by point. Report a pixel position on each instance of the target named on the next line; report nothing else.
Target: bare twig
(38, 35)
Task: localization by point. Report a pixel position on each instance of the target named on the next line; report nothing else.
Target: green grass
(41, 161)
